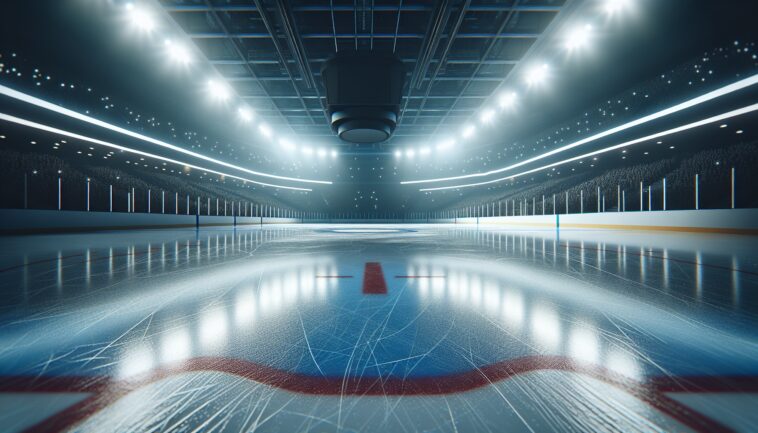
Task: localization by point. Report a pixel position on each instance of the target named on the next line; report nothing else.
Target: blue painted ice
(273, 329)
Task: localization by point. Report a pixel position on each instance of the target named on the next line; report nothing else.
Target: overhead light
(578, 37)
(424, 151)
(322, 153)
(265, 130)
(536, 74)
(177, 53)
(334, 153)
(398, 154)
(218, 90)
(689, 126)
(140, 18)
(41, 103)
(307, 150)
(445, 144)
(614, 6)
(487, 116)
(726, 90)
(286, 144)
(92, 140)
(410, 153)
(468, 131)
(507, 99)
(245, 114)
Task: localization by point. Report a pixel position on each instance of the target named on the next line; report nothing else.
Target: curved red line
(106, 390)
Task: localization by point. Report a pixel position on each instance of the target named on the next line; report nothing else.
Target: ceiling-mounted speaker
(363, 95)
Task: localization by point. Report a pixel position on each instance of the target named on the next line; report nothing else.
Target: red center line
(420, 276)
(373, 279)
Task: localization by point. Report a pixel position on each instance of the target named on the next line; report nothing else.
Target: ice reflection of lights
(491, 297)
(736, 295)
(423, 283)
(213, 327)
(546, 327)
(699, 274)
(176, 345)
(475, 291)
(513, 308)
(583, 343)
(244, 308)
(136, 360)
(624, 363)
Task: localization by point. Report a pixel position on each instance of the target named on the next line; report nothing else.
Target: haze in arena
(439, 216)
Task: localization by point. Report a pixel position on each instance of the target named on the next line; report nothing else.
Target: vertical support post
(567, 202)
(598, 199)
(649, 198)
(187, 204)
(148, 200)
(642, 203)
(554, 211)
(129, 202)
(618, 198)
(623, 201)
(133, 200)
(59, 193)
(176, 203)
(543, 204)
(581, 201)
(163, 201)
(87, 194)
(110, 198)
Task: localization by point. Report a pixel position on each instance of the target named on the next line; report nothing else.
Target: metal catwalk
(378, 328)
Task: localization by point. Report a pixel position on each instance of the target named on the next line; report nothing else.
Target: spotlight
(218, 91)
(265, 130)
(322, 153)
(445, 144)
(334, 153)
(424, 151)
(487, 116)
(307, 150)
(140, 18)
(578, 37)
(245, 114)
(468, 131)
(614, 6)
(507, 99)
(398, 154)
(177, 53)
(410, 153)
(286, 144)
(536, 74)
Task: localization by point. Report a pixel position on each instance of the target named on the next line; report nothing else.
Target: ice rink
(378, 328)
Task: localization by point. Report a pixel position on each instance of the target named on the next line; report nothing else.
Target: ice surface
(274, 329)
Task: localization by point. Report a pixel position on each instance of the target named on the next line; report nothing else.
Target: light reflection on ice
(583, 343)
(136, 360)
(176, 345)
(546, 327)
(213, 327)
